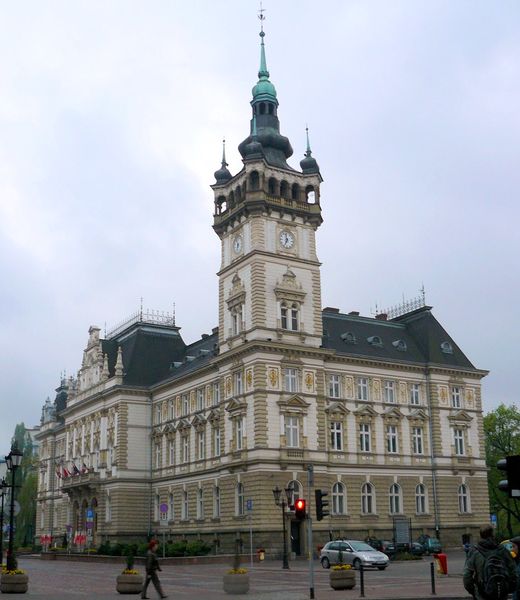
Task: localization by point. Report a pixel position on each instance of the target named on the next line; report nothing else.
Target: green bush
(116, 550)
(142, 549)
(176, 548)
(104, 548)
(197, 548)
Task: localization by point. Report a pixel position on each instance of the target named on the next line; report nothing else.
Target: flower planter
(344, 579)
(14, 584)
(129, 583)
(236, 583)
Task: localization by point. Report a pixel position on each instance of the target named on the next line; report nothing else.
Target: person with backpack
(489, 572)
(516, 549)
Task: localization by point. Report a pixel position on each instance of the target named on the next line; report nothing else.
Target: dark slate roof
(419, 330)
(195, 356)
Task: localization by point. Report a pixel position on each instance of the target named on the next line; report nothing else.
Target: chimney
(354, 313)
(382, 316)
(329, 309)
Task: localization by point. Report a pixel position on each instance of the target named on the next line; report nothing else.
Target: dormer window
(348, 337)
(375, 340)
(399, 345)
(447, 348)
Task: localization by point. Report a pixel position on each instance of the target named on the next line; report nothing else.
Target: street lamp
(3, 492)
(283, 501)
(13, 460)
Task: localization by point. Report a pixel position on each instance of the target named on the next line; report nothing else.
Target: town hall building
(156, 434)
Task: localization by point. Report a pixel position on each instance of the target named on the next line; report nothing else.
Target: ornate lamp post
(283, 501)
(13, 460)
(3, 491)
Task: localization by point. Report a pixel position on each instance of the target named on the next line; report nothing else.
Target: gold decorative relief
(470, 398)
(376, 389)
(309, 381)
(402, 392)
(349, 387)
(443, 395)
(249, 378)
(228, 386)
(272, 375)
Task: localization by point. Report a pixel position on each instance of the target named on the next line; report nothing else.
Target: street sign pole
(249, 505)
(310, 485)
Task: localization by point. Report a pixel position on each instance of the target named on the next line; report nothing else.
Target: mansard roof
(414, 337)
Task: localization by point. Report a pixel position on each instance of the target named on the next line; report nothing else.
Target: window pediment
(417, 415)
(237, 293)
(183, 424)
(289, 288)
(337, 408)
(236, 406)
(169, 428)
(295, 404)
(460, 417)
(366, 411)
(392, 414)
(198, 421)
(214, 416)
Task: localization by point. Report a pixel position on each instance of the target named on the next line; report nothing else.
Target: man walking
(152, 566)
(489, 572)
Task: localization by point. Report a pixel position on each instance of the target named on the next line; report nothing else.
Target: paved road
(62, 580)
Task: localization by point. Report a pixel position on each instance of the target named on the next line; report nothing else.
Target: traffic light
(511, 485)
(299, 509)
(321, 505)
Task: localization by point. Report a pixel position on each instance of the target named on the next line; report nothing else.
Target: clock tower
(266, 217)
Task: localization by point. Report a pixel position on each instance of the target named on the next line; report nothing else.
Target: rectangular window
(389, 392)
(158, 455)
(170, 409)
(364, 437)
(157, 415)
(216, 502)
(216, 393)
(291, 432)
(201, 444)
(216, 441)
(239, 433)
(334, 386)
(455, 397)
(414, 394)
(185, 404)
(458, 441)
(185, 506)
(336, 435)
(290, 380)
(417, 440)
(362, 388)
(238, 382)
(200, 398)
(171, 452)
(200, 504)
(185, 448)
(391, 439)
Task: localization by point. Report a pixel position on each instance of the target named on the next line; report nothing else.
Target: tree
(502, 433)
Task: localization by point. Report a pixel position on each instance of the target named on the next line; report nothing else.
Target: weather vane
(261, 15)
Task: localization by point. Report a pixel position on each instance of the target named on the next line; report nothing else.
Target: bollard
(432, 574)
(361, 581)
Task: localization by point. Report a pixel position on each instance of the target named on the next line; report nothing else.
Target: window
(291, 432)
(216, 441)
(171, 452)
(391, 439)
(389, 392)
(240, 504)
(200, 504)
(239, 433)
(289, 316)
(447, 348)
(414, 394)
(458, 441)
(336, 435)
(290, 380)
(334, 386)
(185, 506)
(420, 499)
(417, 440)
(338, 499)
(364, 437)
(216, 502)
(185, 448)
(296, 490)
(367, 499)
(201, 444)
(362, 388)
(185, 404)
(108, 511)
(170, 409)
(394, 497)
(216, 393)
(455, 397)
(200, 398)
(463, 496)
(171, 508)
(375, 340)
(158, 455)
(157, 415)
(238, 382)
(237, 315)
(156, 507)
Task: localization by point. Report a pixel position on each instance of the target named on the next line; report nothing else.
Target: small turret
(309, 164)
(223, 175)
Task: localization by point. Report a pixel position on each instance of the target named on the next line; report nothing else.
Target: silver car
(354, 552)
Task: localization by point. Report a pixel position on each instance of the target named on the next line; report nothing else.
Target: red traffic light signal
(299, 509)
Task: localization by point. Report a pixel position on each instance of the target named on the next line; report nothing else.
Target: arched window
(420, 499)
(254, 180)
(296, 488)
(338, 499)
(231, 200)
(239, 500)
(216, 502)
(221, 205)
(200, 504)
(394, 498)
(185, 512)
(272, 186)
(463, 495)
(262, 108)
(368, 499)
(295, 191)
(271, 109)
(284, 189)
(310, 194)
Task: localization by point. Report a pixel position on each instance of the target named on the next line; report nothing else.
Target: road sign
(90, 513)
(7, 508)
(493, 519)
(163, 508)
(249, 504)
(89, 524)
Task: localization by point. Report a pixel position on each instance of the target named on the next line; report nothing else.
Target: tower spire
(308, 164)
(222, 175)
(263, 73)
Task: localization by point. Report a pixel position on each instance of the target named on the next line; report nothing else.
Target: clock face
(237, 244)
(286, 239)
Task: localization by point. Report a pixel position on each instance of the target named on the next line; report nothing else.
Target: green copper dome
(264, 90)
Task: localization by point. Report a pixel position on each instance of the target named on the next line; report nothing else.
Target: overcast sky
(111, 120)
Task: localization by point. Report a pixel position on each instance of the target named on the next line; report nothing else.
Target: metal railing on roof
(152, 317)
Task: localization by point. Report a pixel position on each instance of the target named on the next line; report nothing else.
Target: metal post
(251, 537)
(285, 561)
(2, 491)
(432, 575)
(310, 484)
(11, 563)
(361, 581)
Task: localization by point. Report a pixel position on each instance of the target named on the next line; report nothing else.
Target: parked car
(416, 549)
(388, 548)
(430, 545)
(355, 553)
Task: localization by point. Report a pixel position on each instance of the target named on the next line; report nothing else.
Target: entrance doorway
(296, 537)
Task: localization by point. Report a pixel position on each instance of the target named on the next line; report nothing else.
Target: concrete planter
(343, 580)
(129, 583)
(236, 583)
(14, 584)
